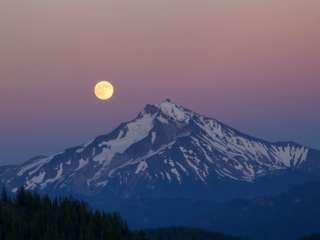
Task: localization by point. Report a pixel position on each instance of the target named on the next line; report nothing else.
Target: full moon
(103, 90)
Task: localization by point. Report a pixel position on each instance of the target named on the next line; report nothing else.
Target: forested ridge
(34, 217)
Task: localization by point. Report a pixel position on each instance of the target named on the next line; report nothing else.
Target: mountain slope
(166, 151)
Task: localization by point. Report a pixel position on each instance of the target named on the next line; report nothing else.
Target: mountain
(170, 166)
(166, 151)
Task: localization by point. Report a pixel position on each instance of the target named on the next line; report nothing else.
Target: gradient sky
(253, 64)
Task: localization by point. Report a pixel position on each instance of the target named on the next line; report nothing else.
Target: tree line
(34, 217)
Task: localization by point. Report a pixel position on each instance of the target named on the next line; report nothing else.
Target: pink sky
(254, 64)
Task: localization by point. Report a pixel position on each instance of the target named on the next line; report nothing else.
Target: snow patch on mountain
(82, 164)
(58, 177)
(153, 137)
(135, 132)
(32, 166)
(34, 181)
(290, 156)
(142, 166)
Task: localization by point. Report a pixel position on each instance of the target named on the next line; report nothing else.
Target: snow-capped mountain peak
(169, 110)
(175, 111)
(165, 145)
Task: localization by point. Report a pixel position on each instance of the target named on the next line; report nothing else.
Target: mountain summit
(166, 151)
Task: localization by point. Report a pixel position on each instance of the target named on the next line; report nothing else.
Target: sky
(253, 64)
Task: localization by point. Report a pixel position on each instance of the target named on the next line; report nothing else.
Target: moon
(104, 90)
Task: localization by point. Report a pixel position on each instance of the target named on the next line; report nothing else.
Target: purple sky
(254, 65)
